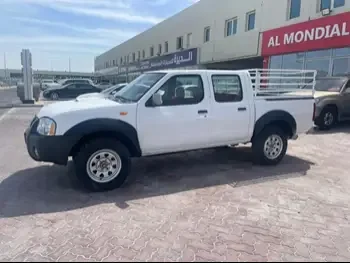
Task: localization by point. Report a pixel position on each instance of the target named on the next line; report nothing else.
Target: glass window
(151, 51)
(133, 57)
(318, 53)
(338, 3)
(293, 61)
(179, 42)
(182, 90)
(189, 40)
(159, 49)
(340, 52)
(325, 4)
(138, 55)
(294, 9)
(227, 88)
(341, 67)
(166, 47)
(143, 54)
(231, 27)
(250, 21)
(206, 34)
(321, 65)
(275, 62)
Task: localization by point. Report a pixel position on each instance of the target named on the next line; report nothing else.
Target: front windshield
(135, 90)
(331, 84)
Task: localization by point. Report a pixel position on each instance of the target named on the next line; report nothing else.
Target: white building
(225, 34)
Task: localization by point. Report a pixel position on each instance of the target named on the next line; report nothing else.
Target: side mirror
(157, 99)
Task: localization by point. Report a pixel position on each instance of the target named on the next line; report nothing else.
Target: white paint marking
(7, 113)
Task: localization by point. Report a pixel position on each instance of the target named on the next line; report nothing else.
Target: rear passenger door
(230, 110)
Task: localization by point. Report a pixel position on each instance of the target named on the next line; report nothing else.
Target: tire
(260, 144)
(113, 177)
(54, 96)
(327, 118)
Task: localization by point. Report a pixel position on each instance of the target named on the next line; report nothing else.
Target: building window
(338, 3)
(125, 60)
(179, 43)
(294, 8)
(133, 57)
(113, 62)
(250, 21)
(231, 27)
(121, 61)
(166, 47)
(206, 34)
(159, 49)
(189, 40)
(138, 55)
(143, 54)
(325, 4)
(151, 51)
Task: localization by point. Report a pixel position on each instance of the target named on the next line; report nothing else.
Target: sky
(63, 32)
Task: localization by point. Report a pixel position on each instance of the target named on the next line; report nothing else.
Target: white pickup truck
(173, 111)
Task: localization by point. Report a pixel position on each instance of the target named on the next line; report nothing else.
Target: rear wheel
(327, 118)
(54, 96)
(270, 146)
(102, 164)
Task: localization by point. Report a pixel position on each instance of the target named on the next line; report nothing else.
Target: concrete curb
(8, 106)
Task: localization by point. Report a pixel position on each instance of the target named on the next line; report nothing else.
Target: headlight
(46, 126)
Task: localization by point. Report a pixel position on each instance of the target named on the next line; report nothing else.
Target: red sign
(321, 33)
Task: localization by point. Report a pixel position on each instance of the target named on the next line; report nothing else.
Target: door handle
(242, 109)
(202, 112)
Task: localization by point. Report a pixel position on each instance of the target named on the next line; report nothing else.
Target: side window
(72, 86)
(227, 88)
(182, 90)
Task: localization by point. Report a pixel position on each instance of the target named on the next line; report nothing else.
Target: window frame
(207, 29)
(151, 51)
(160, 49)
(290, 4)
(166, 47)
(149, 104)
(233, 20)
(188, 40)
(143, 54)
(247, 20)
(227, 75)
(178, 47)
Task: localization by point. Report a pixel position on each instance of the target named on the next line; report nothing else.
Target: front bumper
(52, 149)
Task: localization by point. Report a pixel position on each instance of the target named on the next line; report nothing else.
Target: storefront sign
(179, 59)
(322, 33)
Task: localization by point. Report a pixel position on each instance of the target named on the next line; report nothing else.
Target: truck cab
(171, 111)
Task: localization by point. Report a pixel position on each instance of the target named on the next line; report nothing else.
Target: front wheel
(102, 164)
(270, 146)
(327, 118)
(54, 96)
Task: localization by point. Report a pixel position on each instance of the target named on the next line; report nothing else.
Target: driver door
(180, 123)
(345, 101)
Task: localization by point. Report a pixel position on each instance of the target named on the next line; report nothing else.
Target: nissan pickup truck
(173, 111)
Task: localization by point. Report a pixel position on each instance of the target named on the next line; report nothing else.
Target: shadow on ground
(49, 189)
(343, 127)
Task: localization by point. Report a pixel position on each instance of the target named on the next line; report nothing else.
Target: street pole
(69, 65)
(5, 66)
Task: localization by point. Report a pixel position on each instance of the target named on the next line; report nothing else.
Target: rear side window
(227, 88)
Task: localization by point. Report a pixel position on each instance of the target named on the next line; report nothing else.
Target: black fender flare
(275, 116)
(122, 130)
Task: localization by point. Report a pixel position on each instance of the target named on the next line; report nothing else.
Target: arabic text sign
(179, 59)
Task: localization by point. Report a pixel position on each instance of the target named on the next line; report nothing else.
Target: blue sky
(56, 30)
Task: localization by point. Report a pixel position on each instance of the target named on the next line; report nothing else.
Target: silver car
(332, 100)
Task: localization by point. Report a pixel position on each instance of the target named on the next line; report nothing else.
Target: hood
(77, 105)
(91, 95)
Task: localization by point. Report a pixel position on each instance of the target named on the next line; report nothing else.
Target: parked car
(101, 135)
(64, 82)
(44, 83)
(104, 93)
(104, 85)
(69, 91)
(332, 100)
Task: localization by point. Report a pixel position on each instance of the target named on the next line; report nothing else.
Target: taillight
(314, 113)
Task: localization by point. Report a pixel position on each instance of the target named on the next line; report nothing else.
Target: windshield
(135, 90)
(109, 90)
(331, 84)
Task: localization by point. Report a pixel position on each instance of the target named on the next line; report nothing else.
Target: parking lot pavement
(203, 206)
(8, 97)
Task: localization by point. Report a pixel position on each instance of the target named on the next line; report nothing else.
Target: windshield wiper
(121, 98)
